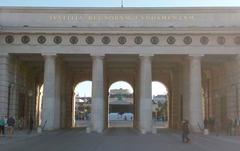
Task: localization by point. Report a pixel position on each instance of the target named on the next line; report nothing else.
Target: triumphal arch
(193, 51)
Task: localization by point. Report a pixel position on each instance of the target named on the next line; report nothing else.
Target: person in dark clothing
(5, 127)
(2, 125)
(185, 132)
(30, 124)
(229, 125)
(11, 124)
(206, 123)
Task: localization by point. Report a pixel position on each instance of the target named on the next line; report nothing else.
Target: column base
(88, 130)
(99, 131)
(196, 129)
(143, 131)
(154, 130)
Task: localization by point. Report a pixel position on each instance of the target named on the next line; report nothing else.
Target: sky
(84, 89)
(117, 3)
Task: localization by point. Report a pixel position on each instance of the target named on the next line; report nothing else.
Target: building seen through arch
(160, 105)
(82, 104)
(121, 105)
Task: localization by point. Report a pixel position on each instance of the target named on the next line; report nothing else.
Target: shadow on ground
(119, 139)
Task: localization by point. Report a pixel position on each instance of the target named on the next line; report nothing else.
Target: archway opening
(82, 104)
(160, 105)
(120, 105)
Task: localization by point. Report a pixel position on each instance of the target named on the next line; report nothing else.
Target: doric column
(4, 84)
(49, 92)
(145, 94)
(195, 90)
(97, 94)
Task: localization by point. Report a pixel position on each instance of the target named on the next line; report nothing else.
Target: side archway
(82, 99)
(160, 105)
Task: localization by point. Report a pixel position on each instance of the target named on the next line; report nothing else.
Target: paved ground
(117, 140)
(120, 123)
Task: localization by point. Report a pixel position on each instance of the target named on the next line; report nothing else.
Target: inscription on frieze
(97, 18)
(121, 18)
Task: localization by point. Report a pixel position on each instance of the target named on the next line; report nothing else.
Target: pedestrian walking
(20, 123)
(5, 127)
(185, 132)
(30, 124)
(2, 125)
(11, 124)
(229, 126)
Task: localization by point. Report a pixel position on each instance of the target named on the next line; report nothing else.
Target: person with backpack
(2, 125)
(185, 132)
(11, 124)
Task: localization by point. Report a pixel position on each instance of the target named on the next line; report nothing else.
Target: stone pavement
(118, 140)
(18, 136)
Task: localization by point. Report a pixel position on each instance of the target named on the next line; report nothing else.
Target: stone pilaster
(49, 92)
(4, 84)
(195, 90)
(237, 87)
(145, 104)
(97, 94)
(14, 91)
(186, 90)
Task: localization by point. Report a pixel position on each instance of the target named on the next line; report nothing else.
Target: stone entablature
(120, 30)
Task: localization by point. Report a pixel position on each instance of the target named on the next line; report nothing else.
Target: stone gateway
(193, 51)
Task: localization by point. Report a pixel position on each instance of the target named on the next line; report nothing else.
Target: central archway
(120, 105)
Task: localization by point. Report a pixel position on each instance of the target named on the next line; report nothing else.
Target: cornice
(123, 30)
(113, 10)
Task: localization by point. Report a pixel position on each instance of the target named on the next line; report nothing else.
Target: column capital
(195, 55)
(98, 56)
(237, 57)
(145, 56)
(49, 54)
(4, 54)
